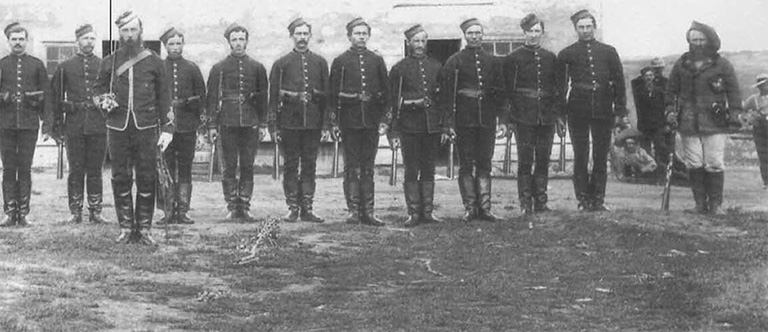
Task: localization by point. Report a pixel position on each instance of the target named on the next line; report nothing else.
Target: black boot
(715, 182)
(368, 197)
(244, 193)
(95, 197)
(10, 204)
(169, 204)
(145, 207)
(123, 207)
(427, 189)
(698, 188)
(412, 202)
(25, 193)
(580, 184)
(597, 190)
(484, 200)
(540, 197)
(352, 195)
(229, 189)
(524, 194)
(307, 197)
(75, 196)
(291, 190)
(182, 204)
(468, 197)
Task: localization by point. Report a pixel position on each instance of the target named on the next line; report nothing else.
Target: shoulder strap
(132, 61)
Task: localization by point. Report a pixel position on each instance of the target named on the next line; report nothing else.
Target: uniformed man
(360, 97)
(133, 90)
(237, 107)
(298, 99)
(23, 90)
(595, 104)
(702, 91)
(417, 124)
(188, 100)
(530, 83)
(82, 125)
(472, 86)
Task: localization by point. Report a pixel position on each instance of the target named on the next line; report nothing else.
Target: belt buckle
(240, 99)
(17, 97)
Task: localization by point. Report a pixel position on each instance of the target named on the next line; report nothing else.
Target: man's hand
(336, 133)
(672, 120)
(394, 143)
(622, 122)
(447, 137)
(213, 135)
(277, 135)
(164, 141)
(502, 131)
(383, 129)
(263, 132)
(560, 127)
(325, 136)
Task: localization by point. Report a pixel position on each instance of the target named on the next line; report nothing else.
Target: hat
(622, 136)
(126, 18)
(658, 63)
(709, 32)
(355, 22)
(760, 80)
(645, 70)
(168, 34)
(414, 30)
(582, 14)
(529, 21)
(468, 23)
(83, 29)
(13, 27)
(234, 27)
(297, 23)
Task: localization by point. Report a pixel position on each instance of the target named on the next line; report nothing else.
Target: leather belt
(586, 86)
(532, 93)
(238, 98)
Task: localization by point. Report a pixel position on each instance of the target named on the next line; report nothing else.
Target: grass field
(633, 269)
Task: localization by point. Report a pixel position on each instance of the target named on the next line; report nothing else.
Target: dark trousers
(586, 186)
(17, 148)
(238, 150)
(85, 154)
(133, 150)
(300, 147)
(179, 155)
(475, 147)
(760, 135)
(360, 147)
(419, 154)
(662, 142)
(534, 147)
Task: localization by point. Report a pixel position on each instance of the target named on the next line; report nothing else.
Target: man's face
(631, 145)
(175, 46)
(585, 28)
(359, 36)
(18, 42)
(533, 35)
(86, 43)
(698, 41)
(130, 33)
(418, 44)
(763, 88)
(648, 76)
(301, 36)
(238, 42)
(474, 35)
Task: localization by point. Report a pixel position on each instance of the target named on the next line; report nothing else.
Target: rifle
(561, 161)
(667, 183)
(452, 142)
(212, 162)
(165, 180)
(59, 142)
(393, 175)
(393, 168)
(276, 159)
(335, 165)
(507, 156)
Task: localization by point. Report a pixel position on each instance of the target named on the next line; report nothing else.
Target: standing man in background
(595, 105)
(648, 92)
(237, 107)
(188, 99)
(298, 100)
(360, 95)
(82, 125)
(24, 94)
(757, 108)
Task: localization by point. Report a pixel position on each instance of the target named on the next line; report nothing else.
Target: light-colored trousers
(704, 151)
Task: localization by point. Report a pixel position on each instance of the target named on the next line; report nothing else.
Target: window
(56, 53)
(502, 47)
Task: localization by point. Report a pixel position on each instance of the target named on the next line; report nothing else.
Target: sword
(561, 161)
(452, 142)
(276, 160)
(59, 142)
(667, 184)
(393, 167)
(507, 156)
(335, 165)
(212, 162)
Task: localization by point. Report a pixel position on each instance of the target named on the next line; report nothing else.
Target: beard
(132, 45)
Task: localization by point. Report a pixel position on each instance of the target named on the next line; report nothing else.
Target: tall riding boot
(427, 189)
(229, 189)
(10, 204)
(540, 197)
(95, 198)
(307, 197)
(484, 199)
(412, 202)
(169, 204)
(368, 197)
(698, 188)
(123, 207)
(25, 193)
(580, 184)
(291, 190)
(597, 188)
(182, 203)
(145, 207)
(75, 196)
(715, 182)
(468, 197)
(524, 194)
(352, 195)
(244, 193)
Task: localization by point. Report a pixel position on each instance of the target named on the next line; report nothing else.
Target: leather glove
(383, 129)
(448, 137)
(502, 131)
(164, 140)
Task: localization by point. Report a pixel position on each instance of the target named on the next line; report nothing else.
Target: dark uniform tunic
(83, 126)
(531, 87)
(143, 95)
(362, 73)
(417, 118)
(20, 115)
(298, 99)
(649, 108)
(597, 95)
(238, 109)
